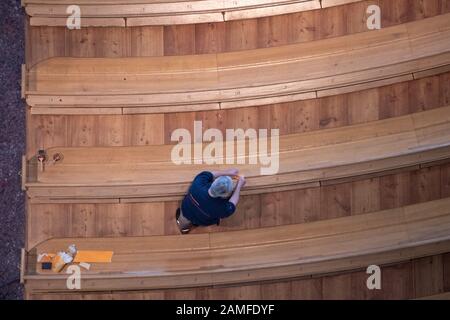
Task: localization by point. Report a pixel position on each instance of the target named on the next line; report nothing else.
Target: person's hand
(242, 181)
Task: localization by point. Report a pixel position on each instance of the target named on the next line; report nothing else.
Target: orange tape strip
(94, 256)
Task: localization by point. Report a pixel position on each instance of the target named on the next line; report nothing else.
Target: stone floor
(12, 146)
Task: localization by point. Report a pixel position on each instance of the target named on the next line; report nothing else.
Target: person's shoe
(177, 216)
(185, 231)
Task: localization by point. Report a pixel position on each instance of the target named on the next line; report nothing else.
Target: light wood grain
(258, 255)
(148, 171)
(148, 12)
(23, 263)
(24, 173)
(242, 79)
(23, 81)
(441, 296)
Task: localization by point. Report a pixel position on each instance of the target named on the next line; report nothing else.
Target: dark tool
(41, 156)
(46, 266)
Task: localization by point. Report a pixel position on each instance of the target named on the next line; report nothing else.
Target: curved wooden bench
(240, 79)
(147, 173)
(441, 296)
(275, 253)
(122, 13)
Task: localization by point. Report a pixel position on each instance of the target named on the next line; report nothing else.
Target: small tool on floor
(41, 158)
(57, 157)
(47, 266)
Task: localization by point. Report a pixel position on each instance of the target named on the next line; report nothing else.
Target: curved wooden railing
(240, 79)
(122, 13)
(275, 253)
(147, 173)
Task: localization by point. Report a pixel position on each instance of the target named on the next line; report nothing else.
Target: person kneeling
(212, 196)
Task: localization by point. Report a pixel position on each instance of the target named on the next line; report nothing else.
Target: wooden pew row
(264, 254)
(240, 79)
(122, 13)
(147, 173)
(242, 292)
(442, 296)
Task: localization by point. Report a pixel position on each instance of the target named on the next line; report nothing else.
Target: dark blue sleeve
(230, 208)
(203, 179)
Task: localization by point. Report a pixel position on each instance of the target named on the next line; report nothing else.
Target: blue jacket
(202, 209)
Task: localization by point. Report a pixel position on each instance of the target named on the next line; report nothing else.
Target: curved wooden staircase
(372, 188)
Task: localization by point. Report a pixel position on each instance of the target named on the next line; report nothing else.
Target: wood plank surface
(45, 42)
(137, 171)
(415, 231)
(72, 83)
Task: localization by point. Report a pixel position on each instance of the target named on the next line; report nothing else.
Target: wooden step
(240, 79)
(284, 252)
(122, 13)
(147, 173)
(441, 296)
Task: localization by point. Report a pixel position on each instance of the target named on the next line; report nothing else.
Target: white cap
(222, 187)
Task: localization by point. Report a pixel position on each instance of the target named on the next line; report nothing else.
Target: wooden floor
(409, 280)
(412, 279)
